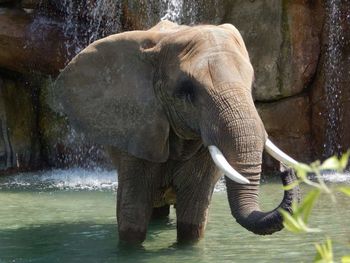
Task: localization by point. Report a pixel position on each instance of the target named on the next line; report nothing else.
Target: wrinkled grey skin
(158, 99)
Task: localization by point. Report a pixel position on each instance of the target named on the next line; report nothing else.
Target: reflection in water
(50, 225)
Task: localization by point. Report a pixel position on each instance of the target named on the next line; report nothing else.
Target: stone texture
(282, 38)
(31, 43)
(31, 4)
(139, 15)
(19, 145)
(288, 124)
(258, 21)
(8, 1)
(204, 11)
(304, 21)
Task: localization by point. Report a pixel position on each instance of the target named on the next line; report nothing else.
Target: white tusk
(221, 162)
(278, 154)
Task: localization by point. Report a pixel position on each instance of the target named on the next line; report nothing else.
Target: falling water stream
(87, 21)
(174, 10)
(333, 69)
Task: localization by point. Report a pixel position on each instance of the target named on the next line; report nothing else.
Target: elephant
(174, 107)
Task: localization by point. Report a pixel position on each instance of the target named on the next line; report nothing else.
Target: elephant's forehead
(215, 36)
(208, 36)
(215, 41)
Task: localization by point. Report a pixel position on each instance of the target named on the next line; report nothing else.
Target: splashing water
(98, 179)
(334, 177)
(71, 179)
(333, 71)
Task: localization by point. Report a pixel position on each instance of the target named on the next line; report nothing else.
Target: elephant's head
(130, 89)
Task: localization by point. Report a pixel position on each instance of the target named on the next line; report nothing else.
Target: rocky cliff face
(288, 42)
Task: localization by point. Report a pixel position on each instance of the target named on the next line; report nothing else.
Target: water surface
(69, 216)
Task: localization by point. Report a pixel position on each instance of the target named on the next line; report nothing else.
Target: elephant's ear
(107, 93)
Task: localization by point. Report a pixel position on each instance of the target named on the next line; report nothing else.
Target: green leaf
(344, 160)
(295, 224)
(306, 206)
(345, 190)
(324, 252)
(345, 259)
(302, 169)
(290, 223)
(331, 163)
(291, 186)
(305, 228)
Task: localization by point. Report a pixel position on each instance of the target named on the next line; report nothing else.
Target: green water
(43, 225)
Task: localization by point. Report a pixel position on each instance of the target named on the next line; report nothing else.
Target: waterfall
(87, 21)
(186, 12)
(192, 12)
(80, 152)
(174, 10)
(333, 71)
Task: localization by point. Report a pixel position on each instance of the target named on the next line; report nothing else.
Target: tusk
(225, 167)
(278, 154)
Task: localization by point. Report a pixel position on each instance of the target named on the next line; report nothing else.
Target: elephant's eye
(185, 90)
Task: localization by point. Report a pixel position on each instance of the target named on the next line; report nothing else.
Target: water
(173, 10)
(69, 216)
(87, 21)
(333, 76)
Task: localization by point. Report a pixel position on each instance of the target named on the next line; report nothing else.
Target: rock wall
(287, 42)
(19, 141)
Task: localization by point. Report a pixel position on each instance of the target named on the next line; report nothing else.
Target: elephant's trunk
(243, 200)
(240, 135)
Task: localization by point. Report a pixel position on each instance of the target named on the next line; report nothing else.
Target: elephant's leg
(194, 181)
(136, 180)
(133, 210)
